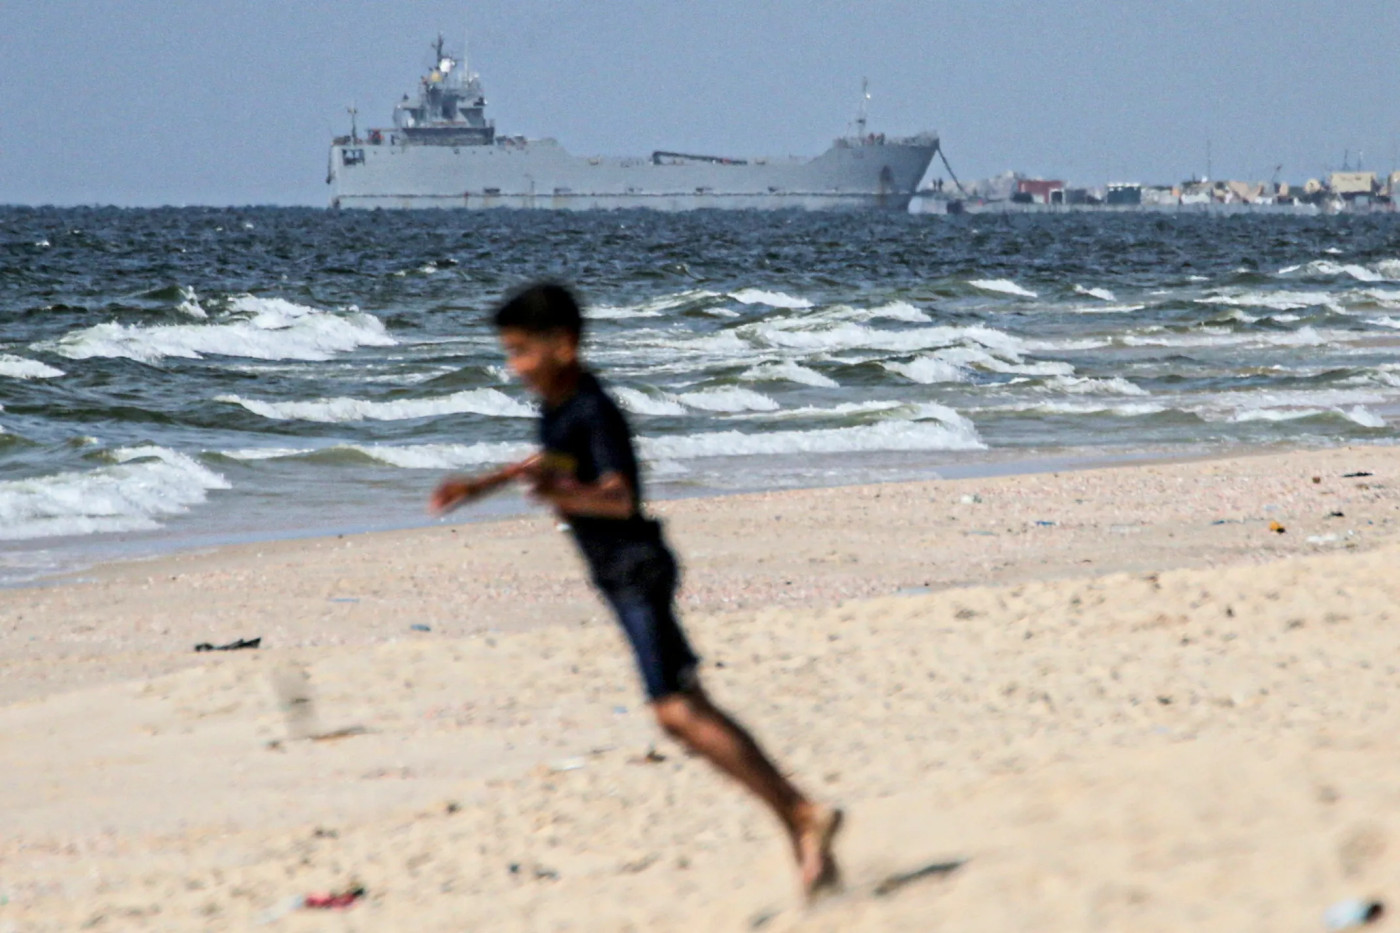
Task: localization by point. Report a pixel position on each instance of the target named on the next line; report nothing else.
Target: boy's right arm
(459, 490)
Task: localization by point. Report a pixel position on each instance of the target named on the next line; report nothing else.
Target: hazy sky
(147, 102)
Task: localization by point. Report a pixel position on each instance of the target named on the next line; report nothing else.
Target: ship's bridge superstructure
(450, 110)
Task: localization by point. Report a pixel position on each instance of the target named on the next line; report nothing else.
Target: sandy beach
(1149, 697)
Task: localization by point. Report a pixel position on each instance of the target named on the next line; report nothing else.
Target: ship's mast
(864, 101)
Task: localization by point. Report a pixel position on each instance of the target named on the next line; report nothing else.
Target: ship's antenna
(354, 130)
(466, 44)
(861, 113)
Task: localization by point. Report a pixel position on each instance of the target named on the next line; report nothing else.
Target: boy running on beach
(587, 470)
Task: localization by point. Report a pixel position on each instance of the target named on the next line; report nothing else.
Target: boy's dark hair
(541, 308)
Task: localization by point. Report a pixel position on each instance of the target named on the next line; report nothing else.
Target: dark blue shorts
(664, 658)
(639, 579)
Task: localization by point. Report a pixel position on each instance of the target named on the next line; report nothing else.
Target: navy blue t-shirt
(587, 437)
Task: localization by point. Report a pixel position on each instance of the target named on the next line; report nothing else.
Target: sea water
(183, 377)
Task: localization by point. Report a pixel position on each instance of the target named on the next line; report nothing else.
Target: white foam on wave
(1387, 374)
(490, 402)
(1305, 336)
(1294, 404)
(444, 456)
(1060, 344)
(758, 296)
(851, 336)
(1385, 297)
(1073, 407)
(1102, 294)
(1093, 385)
(410, 457)
(640, 403)
(721, 399)
(1276, 300)
(1364, 417)
(1384, 270)
(843, 410)
(1359, 415)
(653, 307)
(788, 371)
(1014, 364)
(934, 433)
(1391, 322)
(1328, 267)
(142, 484)
(1105, 309)
(1004, 287)
(189, 304)
(20, 367)
(928, 370)
(728, 399)
(265, 453)
(428, 268)
(932, 427)
(253, 327)
(900, 311)
(1245, 415)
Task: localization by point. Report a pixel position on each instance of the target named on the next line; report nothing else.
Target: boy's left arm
(610, 496)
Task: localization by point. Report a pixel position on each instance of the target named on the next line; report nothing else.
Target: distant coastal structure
(1342, 191)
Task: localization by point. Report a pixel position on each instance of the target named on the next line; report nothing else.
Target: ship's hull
(868, 174)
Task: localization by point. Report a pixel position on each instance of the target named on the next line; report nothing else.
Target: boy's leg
(667, 665)
(690, 718)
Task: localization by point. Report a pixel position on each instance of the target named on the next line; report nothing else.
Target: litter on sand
(1352, 913)
(231, 646)
(336, 901)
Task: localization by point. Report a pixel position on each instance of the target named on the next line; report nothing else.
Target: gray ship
(443, 152)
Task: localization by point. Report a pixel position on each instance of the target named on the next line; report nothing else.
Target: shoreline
(92, 553)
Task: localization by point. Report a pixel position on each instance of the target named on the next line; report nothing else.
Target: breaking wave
(1102, 294)
(1003, 287)
(142, 484)
(957, 434)
(491, 402)
(19, 367)
(722, 400)
(654, 307)
(252, 327)
(928, 370)
(788, 371)
(757, 296)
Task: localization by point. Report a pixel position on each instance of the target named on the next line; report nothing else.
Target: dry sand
(1116, 697)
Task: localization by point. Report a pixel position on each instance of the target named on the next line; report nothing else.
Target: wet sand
(1116, 697)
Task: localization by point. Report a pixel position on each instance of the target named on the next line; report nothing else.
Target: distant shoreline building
(1348, 190)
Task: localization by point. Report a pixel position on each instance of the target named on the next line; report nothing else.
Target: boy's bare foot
(820, 873)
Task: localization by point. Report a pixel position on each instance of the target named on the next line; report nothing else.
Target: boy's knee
(676, 714)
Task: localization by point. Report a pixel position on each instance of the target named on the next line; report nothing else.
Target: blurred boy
(587, 470)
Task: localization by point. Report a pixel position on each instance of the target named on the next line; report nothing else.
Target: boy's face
(539, 360)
